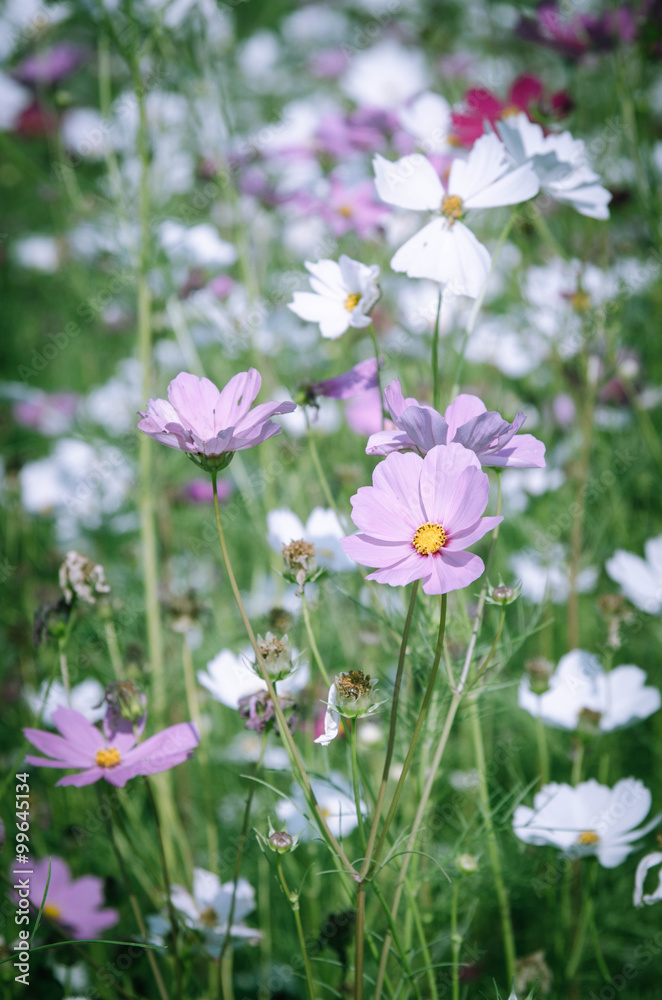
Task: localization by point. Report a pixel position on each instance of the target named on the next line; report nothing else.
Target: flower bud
(300, 563)
(277, 656)
(125, 700)
(502, 594)
(278, 841)
(539, 670)
(354, 694)
(467, 864)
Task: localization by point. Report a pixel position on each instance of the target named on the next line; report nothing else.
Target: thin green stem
(379, 377)
(311, 640)
(543, 752)
(492, 843)
(435, 354)
(283, 728)
(166, 885)
(456, 942)
(353, 730)
(202, 754)
(293, 899)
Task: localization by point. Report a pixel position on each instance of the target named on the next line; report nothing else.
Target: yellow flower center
(345, 210)
(588, 838)
(352, 301)
(108, 757)
(209, 917)
(52, 911)
(580, 301)
(451, 207)
(510, 110)
(429, 538)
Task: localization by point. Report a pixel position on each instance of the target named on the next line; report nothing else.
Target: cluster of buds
(126, 707)
(300, 563)
(502, 594)
(539, 670)
(80, 577)
(278, 841)
(260, 714)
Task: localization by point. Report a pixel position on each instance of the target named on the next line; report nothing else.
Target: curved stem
(283, 728)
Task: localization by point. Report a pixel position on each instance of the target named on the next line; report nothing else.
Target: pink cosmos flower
(418, 517)
(50, 65)
(73, 902)
(353, 209)
(573, 36)
(211, 424)
(482, 105)
(358, 379)
(466, 421)
(114, 757)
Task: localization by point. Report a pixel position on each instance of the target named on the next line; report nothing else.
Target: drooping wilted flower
(209, 424)
(80, 577)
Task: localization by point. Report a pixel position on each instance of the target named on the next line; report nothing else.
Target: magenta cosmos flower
(114, 757)
(466, 421)
(418, 517)
(75, 903)
(208, 424)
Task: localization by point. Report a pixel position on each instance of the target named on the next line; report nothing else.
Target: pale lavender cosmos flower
(418, 517)
(358, 379)
(49, 66)
(466, 421)
(115, 757)
(353, 209)
(208, 424)
(75, 903)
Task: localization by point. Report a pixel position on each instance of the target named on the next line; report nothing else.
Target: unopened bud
(300, 562)
(467, 864)
(502, 594)
(281, 841)
(539, 670)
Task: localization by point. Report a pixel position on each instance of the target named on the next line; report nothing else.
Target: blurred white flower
(85, 132)
(385, 76)
(114, 404)
(588, 819)
(581, 693)
(336, 801)
(86, 698)
(37, 253)
(322, 529)
(207, 909)
(545, 575)
(428, 119)
(644, 866)
(640, 579)
(343, 294)
(445, 250)
(14, 98)
(197, 246)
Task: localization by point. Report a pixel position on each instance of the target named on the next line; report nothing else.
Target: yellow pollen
(588, 838)
(429, 538)
(352, 301)
(509, 111)
(453, 140)
(325, 812)
(345, 210)
(52, 911)
(581, 301)
(108, 757)
(451, 207)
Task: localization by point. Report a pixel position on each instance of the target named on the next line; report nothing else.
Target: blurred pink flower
(75, 903)
(113, 757)
(358, 379)
(364, 415)
(201, 490)
(482, 105)
(571, 36)
(418, 517)
(49, 413)
(50, 65)
(466, 421)
(353, 209)
(203, 421)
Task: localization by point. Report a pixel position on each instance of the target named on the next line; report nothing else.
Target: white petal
(640, 876)
(410, 182)
(331, 720)
(450, 255)
(283, 527)
(512, 188)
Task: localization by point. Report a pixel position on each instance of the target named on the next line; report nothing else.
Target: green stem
(456, 942)
(353, 730)
(293, 900)
(492, 844)
(379, 377)
(283, 728)
(202, 754)
(435, 354)
(135, 906)
(543, 753)
(311, 640)
(166, 885)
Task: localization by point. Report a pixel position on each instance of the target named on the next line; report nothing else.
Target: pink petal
(198, 404)
(526, 90)
(399, 475)
(413, 567)
(83, 778)
(48, 762)
(58, 748)
(463, 408)
(380, 514)
(523, 452)
(463, 539)
(395, 401)
(237, 397)
(425, 427)
(370, 551)
(259, 414)
(77, 730)
(385, 442)
(175, 740)
(452, 571)
(445, 488)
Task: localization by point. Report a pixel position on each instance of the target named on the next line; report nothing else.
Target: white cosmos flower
(86, 698)
(322, 528)
(385, 76)
(445, 250)
(343, 294)
(588, 819)
(640, 579)
(228, 678)
(334, 798)
(208, 908)
(560, 163)
(579, 686)
(641, 897)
